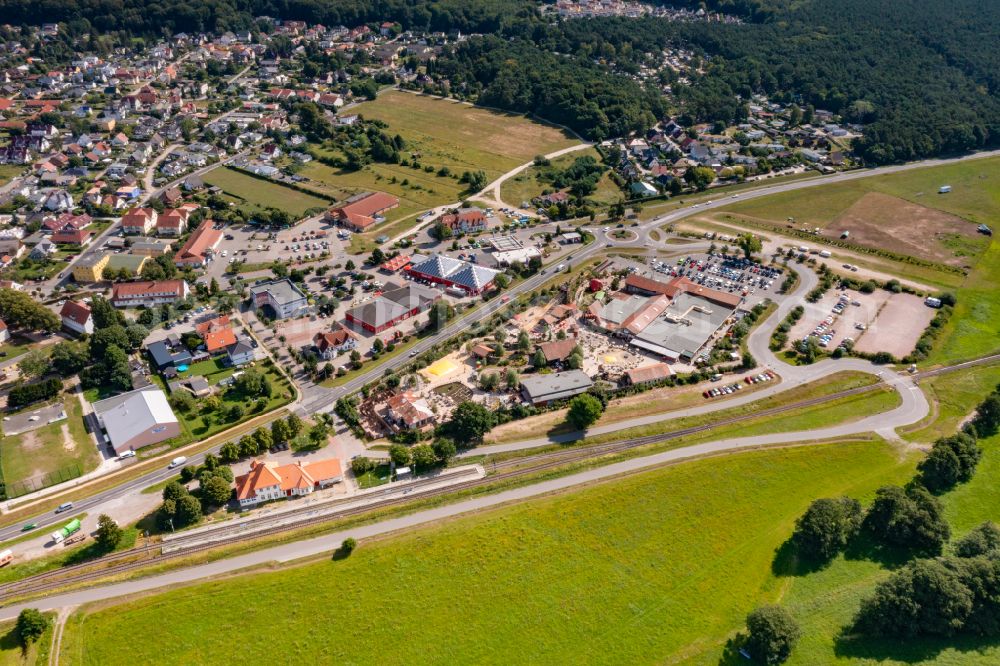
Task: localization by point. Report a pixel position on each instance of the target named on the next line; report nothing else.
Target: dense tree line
(518, 75)
(159, 17)
(914, 71)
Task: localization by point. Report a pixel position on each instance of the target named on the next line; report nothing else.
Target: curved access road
(912, 408)
(913, 401)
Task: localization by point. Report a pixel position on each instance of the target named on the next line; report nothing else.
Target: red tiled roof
(76, 312)
(220, 339)
(201, 241)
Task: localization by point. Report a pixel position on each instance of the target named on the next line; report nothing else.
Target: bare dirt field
(897, 327)
(881, 220)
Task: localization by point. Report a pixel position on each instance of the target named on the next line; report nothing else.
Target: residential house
(332, 344)
(465, 220)
(139, 221)
(240, 353)
(76, 317)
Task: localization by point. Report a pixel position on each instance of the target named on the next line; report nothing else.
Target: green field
(8, 171)
(258, 194)
(525, 186)
(443, 133)
(975, 194)
(658, 567)
(974, 328)
(58, 447)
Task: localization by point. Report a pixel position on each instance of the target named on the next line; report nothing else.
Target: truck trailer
(69, 529)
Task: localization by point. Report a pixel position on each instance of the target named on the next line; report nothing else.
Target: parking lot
(15, 424)
(725, 273)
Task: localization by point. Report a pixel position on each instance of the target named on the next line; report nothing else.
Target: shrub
(29, 393)
(31, 624)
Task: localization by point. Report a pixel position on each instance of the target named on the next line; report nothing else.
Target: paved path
(330, 542)
(914, 408)
(491, 193)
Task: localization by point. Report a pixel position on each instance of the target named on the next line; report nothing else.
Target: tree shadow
(341, 554)
(865, 547)
(10, 641)
(731, 651)
(788, 561)
(908, 650)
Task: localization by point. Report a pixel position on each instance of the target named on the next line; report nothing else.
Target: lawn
(13, 654)
(953, 398)
(657, 567)
(14, 347)
(258, 194)
(377, 477)
(63, 450)
(525, 186)
(200, 425)
(974, 328)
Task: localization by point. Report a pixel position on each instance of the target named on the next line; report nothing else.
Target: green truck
(69, 529)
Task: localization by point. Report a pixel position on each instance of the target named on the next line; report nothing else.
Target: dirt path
(57, 634)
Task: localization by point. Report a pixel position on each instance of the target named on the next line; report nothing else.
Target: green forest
(921, 75)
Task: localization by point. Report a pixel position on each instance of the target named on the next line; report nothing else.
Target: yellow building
(91, 269)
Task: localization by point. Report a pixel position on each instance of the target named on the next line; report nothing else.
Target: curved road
(913, 408)
(325, 400)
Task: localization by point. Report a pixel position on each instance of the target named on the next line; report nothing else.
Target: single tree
(216, 491)
(772, 633)
(469, 422)
(31, 624)
(400, 455)
(423, 456)
(826, 527)
(584, 410)
(982, 540)
(109, 535)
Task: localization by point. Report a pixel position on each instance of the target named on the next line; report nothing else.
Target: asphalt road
(758, 342)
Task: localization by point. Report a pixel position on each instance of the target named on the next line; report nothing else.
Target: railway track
(498, 471)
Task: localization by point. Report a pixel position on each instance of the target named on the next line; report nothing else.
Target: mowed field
(525, 186)
(652, 568)
(441, 133)
(257, 194)
(902, 212)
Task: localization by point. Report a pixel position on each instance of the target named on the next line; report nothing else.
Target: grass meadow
(258, 194)
(655, 567)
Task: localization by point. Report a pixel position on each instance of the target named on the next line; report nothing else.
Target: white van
(127, 454)
(177, 462)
